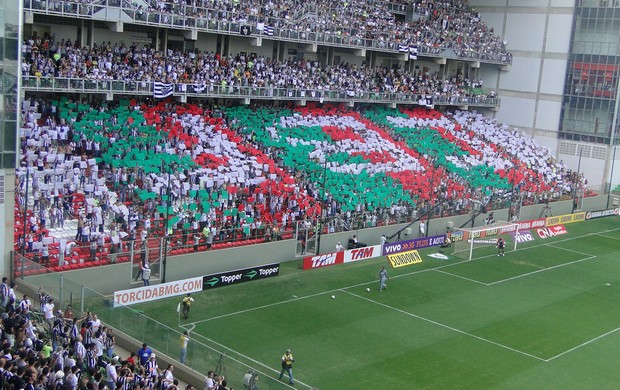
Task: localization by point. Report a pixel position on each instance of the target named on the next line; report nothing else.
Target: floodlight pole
(166, 237)
(25, 211)
(323, 210)
(428, 217)
(575, 192)
(611, 176)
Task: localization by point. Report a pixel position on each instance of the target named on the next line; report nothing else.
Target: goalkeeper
(501, 245)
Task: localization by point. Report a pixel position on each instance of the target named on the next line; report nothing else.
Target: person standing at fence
(184, 341)
(48, 313)
(4, 292)
(146, 274)
(422, 229)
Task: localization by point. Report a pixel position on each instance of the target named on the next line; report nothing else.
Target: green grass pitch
(546, 316)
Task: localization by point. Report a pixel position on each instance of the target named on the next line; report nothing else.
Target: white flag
(162, 90)
(179, 307)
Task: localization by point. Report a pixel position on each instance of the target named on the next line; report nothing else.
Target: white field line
(445, 326)
(409, 274)
(461, 277)
(541, 270)
(606, 236)
(254, 361)
(583, 344)
(371, 282)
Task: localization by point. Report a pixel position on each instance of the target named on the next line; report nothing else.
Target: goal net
(482, 241)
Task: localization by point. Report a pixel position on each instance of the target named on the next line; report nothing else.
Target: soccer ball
(368, 289)
(333, 297)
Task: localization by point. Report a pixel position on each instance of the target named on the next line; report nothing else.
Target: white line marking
(568, 250)
(393, 277)
(583, 344)
(606, 236)
(542, 270)
(256, 362)
(445, 326)
(462, 277)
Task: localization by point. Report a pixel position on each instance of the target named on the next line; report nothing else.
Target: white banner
(159, 291)
(364, 253)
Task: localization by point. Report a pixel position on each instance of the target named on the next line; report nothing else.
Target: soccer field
(546, 316)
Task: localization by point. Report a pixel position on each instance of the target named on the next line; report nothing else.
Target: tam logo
(362, 253)
(323, 260)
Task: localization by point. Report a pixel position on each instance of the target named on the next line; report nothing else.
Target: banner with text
(325, 260)
(531, 224)
(404, 258)
(367, 252)
(240, 276)
(566, 218)
(158, 291)
(417, 243)
(551, 231)
(602, 213)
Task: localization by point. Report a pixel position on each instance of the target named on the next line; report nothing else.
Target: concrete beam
(359, 52)
(115, 26)
(311, 48)
(475, 64)
(181, 98)
(245, 101)
(191, 35)
(301, 103)
(391, 105)
(109, 96)
(505, 68)
(28, 17)
(256, 42)
(440, 60)
(349, 104)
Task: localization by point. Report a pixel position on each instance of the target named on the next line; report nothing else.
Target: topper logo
(323, 260)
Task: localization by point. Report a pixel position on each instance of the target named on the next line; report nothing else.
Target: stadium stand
(435, 28)
(238, 175)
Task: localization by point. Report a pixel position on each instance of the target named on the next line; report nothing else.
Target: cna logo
(551, 231)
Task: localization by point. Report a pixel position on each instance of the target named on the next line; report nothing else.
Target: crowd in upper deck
(434, 26)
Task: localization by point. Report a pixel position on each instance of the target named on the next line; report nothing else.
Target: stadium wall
(532, 90)
(205, 263)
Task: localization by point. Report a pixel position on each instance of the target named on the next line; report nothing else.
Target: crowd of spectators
(47, 58)
(438, 25)
(106, 212)
(48, 349)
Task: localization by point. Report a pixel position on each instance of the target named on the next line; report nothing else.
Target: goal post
(480, 241)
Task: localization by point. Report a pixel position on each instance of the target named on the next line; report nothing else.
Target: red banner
(325, 260)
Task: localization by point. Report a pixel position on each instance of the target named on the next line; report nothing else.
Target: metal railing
(202, 354)
(145, 88)
(185, 17)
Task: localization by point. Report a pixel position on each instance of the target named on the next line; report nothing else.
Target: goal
(481, 241)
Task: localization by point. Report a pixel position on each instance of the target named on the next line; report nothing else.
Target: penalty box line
(453, 329)
(441, 267)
